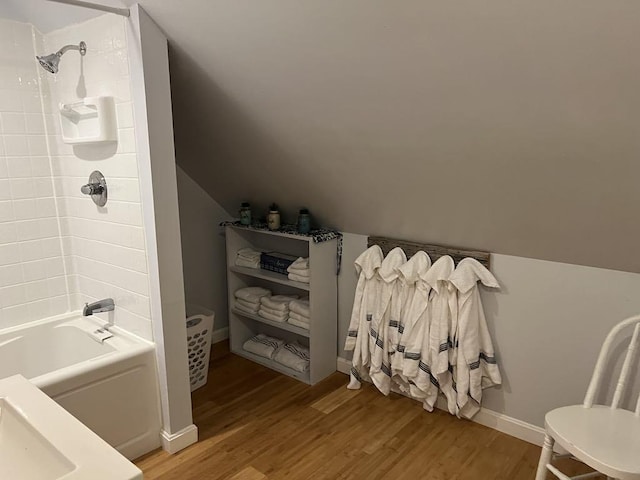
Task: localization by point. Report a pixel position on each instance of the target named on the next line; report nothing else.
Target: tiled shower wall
(33, 284)
(59, 250)
(104, 247)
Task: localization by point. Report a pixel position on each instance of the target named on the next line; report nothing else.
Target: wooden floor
(256, 424)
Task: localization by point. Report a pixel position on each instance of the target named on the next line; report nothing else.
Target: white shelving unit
(321, 337)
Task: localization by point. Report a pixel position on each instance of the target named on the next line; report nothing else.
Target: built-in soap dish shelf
(91, 120)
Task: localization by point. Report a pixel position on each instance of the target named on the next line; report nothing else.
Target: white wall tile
(19, 167)
(11, 275)
(6, 211)
(37, 145)
(8, 233)
(13, 123)
(16, 146)
(34, 271)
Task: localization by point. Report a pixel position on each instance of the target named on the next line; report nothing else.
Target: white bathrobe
(367, 265)
(476, 366)
(413, 297)
(434, 371)
(385, 315)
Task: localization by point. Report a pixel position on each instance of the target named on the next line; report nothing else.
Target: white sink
(39, 440)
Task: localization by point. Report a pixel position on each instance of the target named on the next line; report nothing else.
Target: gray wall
(504, 125)
(203, 249)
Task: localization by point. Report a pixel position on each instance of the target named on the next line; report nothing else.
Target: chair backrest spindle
(626, 366)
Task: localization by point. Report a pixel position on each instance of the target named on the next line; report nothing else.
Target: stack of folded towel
(248, 257)
(275, 308)
(299, 270)
(291, 355)
(299, 314)
(294, 356)
(263, 345)
(248, 299)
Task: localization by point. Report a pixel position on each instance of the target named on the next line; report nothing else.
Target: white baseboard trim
(219, 335)
(498, 421)
(174, 442)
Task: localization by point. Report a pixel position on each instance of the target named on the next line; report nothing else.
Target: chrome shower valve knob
(96, 188)
(92, 189)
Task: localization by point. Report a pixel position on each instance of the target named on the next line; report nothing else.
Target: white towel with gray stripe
(252, 294)
(301, 307)
(263, 346)
(278, 302)
(294, 356)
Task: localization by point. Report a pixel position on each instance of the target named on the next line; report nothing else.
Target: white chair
(607, 438)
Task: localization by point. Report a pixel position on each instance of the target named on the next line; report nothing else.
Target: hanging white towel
(298, 278)
(301, 307)
(263, 345)
(270, 316)
(476, 366)
(299, 264)
(438, 342)
(252, 294)
(367, 265)
(299, 323)
(293, 356)
(388, 302)
(278, 302)
(412, 310)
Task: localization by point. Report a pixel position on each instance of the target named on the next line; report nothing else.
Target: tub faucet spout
(106, 305)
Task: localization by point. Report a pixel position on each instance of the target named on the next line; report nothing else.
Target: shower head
(50, 62)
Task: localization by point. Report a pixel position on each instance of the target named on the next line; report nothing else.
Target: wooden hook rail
(434, 251)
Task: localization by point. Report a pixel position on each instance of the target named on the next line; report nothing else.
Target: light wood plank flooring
(256, 424)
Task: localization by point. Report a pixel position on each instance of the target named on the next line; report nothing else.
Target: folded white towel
(252, 294)
(300, 307)
(250, 305)
(243, 262)
(278, 313)
(242, 308)
(298, 278)
(299, 264)
(263, 345)
(300, 273)
(270, 316)
(293, 356)
(298, 323)
(298, 317)
(278, 302)
(249, 254)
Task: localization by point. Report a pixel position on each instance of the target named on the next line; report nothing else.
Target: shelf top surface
(311, 237)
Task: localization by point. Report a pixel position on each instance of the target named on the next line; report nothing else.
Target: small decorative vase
(273, 219)
(304, 221)
(245, 214)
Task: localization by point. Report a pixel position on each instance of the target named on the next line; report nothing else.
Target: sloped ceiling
(510, 126)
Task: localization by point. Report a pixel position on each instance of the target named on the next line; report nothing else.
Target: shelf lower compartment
(281, 325)
(270, 276)
(273, 365)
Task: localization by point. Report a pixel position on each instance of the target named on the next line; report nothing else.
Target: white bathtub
(111, 387)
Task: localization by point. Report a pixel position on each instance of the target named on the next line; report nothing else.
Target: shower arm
(82, 48)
